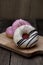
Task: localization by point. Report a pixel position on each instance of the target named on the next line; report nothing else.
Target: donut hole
(25, 36)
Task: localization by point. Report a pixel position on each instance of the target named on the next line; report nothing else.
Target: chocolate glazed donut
(25, 43)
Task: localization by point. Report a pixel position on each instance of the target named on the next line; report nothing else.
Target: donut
(25, 43)
(9, 32)
(18, 23)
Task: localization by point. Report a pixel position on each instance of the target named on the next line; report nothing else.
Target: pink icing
(9, 31)
(19, 23)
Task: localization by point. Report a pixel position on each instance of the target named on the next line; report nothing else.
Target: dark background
(30, 10)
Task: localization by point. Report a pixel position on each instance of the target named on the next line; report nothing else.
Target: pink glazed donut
(10, 30)
(18, 23)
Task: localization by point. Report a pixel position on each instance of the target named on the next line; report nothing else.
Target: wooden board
(9, 44)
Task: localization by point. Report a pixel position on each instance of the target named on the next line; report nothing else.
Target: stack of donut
(23, 33)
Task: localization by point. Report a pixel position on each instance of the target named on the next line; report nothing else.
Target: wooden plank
(36, 9)
(4, 56)
(9, 44)
(13, 9)
(19, 60)
(16, 59)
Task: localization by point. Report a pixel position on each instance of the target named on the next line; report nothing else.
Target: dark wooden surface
(10, 58)
(11, 9)
(4, 57)
(19, 60)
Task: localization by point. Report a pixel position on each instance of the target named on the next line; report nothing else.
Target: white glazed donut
(25, 43)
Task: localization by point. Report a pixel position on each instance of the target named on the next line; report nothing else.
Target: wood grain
(36, 9)
(4, 56)
(13, 9)
(9, 44)
(19, 60)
